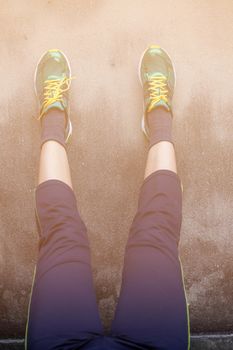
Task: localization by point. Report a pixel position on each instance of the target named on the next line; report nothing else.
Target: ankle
(53, 126)
(54, 113)
(160, 126)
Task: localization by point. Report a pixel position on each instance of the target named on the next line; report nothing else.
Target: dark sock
(53, 126)
(160, 126)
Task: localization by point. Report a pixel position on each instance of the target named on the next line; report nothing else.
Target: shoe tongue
(56, 104)
(160, 103)
(163, 104)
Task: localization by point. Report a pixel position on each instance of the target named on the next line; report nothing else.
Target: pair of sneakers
(53, 80)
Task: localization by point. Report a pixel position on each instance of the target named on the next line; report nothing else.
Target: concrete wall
(104, 41)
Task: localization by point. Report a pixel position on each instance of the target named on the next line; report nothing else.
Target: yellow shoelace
(53, 90)
(157, 90)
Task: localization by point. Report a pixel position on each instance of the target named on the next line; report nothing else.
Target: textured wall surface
(104, 40)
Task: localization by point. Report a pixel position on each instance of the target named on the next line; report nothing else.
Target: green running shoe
(157, 77)
(52, 82)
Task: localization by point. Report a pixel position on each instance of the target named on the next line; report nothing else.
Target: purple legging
(151, 312)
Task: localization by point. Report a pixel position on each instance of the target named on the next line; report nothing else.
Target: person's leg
(161, 156)
(152, 311)
(63, 312)
(54, 163)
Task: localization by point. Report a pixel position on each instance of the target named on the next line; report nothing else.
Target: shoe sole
(69, 127)
(140, 79)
